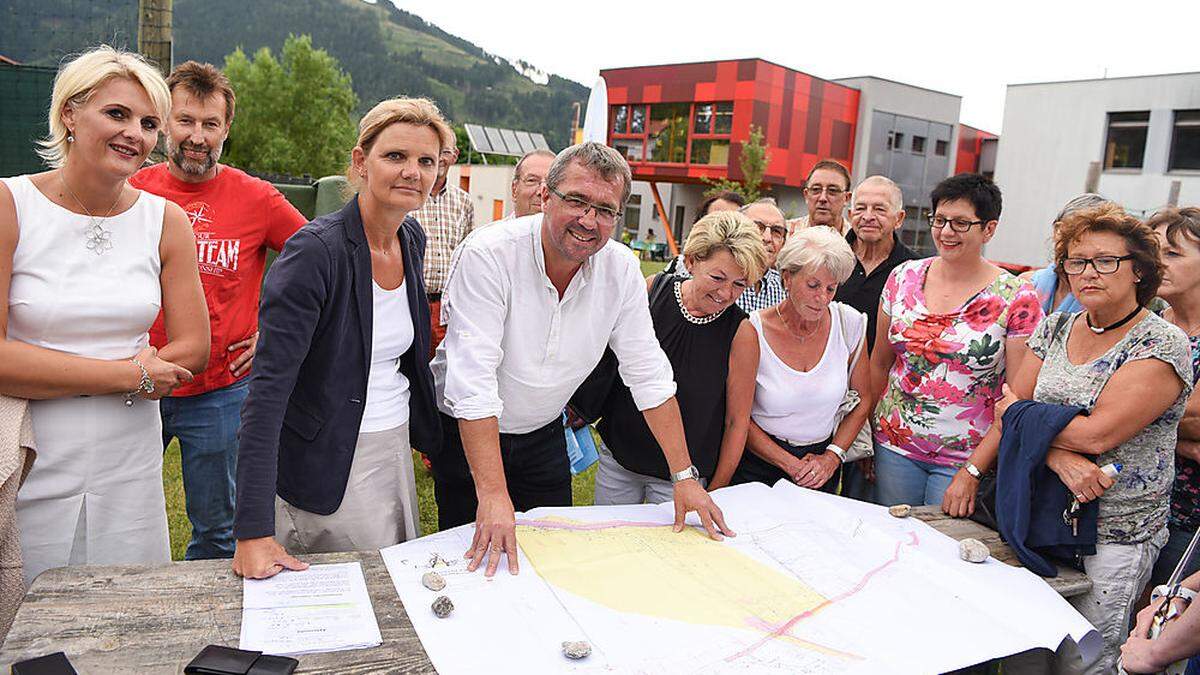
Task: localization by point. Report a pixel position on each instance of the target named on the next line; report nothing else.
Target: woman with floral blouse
(955, 324)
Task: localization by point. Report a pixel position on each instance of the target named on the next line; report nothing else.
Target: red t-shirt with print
(235, 218)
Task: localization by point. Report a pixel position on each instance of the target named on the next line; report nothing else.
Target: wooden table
(130, 619)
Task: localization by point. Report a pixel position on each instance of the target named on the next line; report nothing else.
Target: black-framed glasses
(777, 230)
(604, 215)
(1105, 264)
(832, 190)
(957, 224)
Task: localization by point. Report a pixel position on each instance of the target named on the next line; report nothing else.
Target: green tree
(294, 115)
(753, 162)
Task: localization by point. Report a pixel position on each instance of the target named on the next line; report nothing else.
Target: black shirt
(699, 355)
(862, 291)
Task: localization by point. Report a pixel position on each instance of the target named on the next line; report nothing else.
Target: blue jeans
(206, 426)
(1171, 554)
(900, 480)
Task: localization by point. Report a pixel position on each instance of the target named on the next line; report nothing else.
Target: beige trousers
(379, 509)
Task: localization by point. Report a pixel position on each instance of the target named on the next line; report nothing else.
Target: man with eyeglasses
(772, 225)
(448, 216)
(527, 183)
(530, 306)
(825, 193)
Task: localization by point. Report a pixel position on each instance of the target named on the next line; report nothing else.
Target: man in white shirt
(825, 193)
(530, 306)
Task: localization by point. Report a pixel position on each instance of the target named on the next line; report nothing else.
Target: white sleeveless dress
(95, 493)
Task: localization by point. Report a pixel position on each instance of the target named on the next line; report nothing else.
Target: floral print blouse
(949, 368)
(1185, 497)
(1135, 508)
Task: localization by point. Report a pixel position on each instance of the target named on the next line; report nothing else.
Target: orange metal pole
(662, 214)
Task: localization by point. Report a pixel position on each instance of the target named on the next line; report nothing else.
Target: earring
(70, 137)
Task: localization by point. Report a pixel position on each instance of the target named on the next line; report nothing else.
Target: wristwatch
(973, 470)
(837, 450)
(688, 473)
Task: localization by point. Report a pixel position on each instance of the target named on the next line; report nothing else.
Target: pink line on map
(586, 527)
(861, 584)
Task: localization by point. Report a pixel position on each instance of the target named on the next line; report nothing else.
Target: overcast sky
(972, 49)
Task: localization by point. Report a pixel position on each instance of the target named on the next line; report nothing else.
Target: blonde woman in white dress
(86, 264)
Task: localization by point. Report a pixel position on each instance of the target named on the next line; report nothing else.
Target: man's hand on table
(495, 534)
(262, 558)
(689, 496)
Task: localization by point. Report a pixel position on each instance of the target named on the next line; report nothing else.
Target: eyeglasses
(1105, 264)
(604, 215)
(530, 181)
(956, 224)
(777, 231)
(832, 190)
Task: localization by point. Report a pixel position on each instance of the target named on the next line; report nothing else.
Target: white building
(1135, 140)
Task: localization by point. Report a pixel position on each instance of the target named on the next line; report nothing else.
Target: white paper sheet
(812, 584)
(325, 608)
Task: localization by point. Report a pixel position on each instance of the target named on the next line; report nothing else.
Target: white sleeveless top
(94, 495)
(391, 336)
(795, 406)
(66, 297)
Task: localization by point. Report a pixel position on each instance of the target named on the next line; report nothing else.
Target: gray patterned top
(1134, 509)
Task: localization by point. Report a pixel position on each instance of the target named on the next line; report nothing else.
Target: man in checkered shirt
(447, 217)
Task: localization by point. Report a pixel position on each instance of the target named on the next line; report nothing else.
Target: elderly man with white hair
(876, 213)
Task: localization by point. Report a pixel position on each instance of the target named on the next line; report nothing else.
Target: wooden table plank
(130, 619)
(1069, 582)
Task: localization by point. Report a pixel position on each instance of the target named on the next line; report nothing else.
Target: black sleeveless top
(699, 355)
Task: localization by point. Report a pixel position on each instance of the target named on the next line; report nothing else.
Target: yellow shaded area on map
(654, 571)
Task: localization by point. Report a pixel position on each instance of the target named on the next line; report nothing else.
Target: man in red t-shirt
(235, 218)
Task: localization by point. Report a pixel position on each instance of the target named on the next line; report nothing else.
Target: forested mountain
(386, 51)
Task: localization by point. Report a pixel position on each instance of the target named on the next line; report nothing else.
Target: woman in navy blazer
(341, 389)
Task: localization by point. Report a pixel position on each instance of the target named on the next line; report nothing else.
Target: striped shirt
(447, 218)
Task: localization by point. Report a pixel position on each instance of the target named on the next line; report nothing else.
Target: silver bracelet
(145, 386)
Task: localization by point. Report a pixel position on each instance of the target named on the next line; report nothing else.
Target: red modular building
(976, 151)
(681, 124)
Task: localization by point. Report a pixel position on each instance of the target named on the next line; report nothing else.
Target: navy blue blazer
(309, 378)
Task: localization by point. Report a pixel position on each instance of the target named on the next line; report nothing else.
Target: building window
(673, 133)
(633, 214)
(1125, 142)
(918, 145)
(895, 140)
(1185, 141)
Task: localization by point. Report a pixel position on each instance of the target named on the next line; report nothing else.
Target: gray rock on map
(900, 510)
(577, 649)
(433, 581)
(442, 607)
(973, 550)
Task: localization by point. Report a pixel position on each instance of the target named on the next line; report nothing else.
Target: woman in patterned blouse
(1131, 371)
(955, 323)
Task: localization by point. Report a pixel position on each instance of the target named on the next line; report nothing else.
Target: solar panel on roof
(479, 140)
(511, 142)
(510, 139)
(524, 141)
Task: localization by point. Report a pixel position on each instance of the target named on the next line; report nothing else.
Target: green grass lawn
(582, 485)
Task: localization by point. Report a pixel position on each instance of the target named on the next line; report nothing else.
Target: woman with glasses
(955, 324)
(713, 352)
(1131, 371)
(1178, 233)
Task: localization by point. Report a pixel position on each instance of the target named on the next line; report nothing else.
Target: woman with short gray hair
(809, 348)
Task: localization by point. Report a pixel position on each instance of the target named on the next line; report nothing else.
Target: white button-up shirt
(515, 351)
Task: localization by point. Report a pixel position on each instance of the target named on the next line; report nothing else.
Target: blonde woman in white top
(86, 264)
(807, 344)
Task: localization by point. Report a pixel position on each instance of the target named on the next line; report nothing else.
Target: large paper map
(811, 584)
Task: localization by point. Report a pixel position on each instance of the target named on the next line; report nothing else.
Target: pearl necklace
(698, 320)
